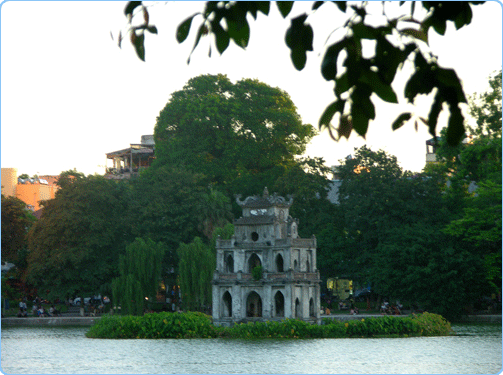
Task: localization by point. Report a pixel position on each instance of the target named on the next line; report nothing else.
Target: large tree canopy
(389, 232)
(16, 221)
(228, 131)
(399, 35)
(75, 246)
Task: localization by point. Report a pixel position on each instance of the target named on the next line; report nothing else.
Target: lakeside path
(90, 320)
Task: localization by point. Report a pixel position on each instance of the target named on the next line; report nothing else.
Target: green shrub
(154, 325)
(199, 325)
(432, 325)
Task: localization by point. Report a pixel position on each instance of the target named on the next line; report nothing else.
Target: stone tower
(265, 272)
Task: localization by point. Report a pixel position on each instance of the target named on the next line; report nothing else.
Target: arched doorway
(254, 305)
(279, 304)
(279, 263)
(253, 262)
(311, 307)
(298, 312)
(227, 305)
(229, 264)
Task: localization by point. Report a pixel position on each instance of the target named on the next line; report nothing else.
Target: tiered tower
(265, 271)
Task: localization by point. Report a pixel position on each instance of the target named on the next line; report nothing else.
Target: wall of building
(29, 193)
(9, 182)
(32, 194)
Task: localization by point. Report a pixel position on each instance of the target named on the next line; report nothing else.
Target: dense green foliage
(229, 132)
(198, 325)
(139, 275)
(75, 246)
(400, 38)
(16, 222)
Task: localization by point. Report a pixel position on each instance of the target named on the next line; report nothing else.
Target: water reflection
(63, 350)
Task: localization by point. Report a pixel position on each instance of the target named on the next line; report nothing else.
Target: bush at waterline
(198, 325)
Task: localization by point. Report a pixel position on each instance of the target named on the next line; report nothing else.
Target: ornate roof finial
(266, 192)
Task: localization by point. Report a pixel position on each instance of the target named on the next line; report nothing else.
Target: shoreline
(90, 320)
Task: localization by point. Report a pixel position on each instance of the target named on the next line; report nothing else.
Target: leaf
(317, 4)
(363, 31)
(184, 28)
(200, 32)
(264, 7)
(152, 29)
(455, 127)
(299, 38)
(449, 78)
(400, 120)
(341, 5)
(284, 7)
(464, 17)
(330, 111)
(439, 26)
(239, 31)
(384, 91)
(222, 38)
(299, 58)
(329, 63)
(345, 127)
(145, 15)
(131, 6)
(360, 122)
(417, 34)
(435, 109)
(341, 84)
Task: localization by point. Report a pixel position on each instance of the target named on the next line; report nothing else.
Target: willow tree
(196, 265)
(140, 272)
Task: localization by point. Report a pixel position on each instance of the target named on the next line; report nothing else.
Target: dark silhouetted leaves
(299, 38)
(373, 75)
(131, 6)
(329, 63)
(184, 28)
(400, 120)
(284, 7)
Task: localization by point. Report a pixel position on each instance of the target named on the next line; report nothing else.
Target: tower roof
(264, 201)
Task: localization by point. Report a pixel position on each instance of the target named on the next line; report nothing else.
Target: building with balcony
(265, 271)
(130, 161)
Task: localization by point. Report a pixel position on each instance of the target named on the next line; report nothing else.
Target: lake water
(476, 349)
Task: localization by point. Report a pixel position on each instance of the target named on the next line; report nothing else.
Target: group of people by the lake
(37, 310)
(388, 309)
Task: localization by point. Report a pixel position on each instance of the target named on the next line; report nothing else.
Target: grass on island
(197, 325)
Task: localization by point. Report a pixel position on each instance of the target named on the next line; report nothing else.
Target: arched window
(308, 269)
(229, 264)
(254, 305)
(279, 304)
(298, 313)
(253, 262)
(279, 263)
(227, 305)
(311, 308)
(295, 265)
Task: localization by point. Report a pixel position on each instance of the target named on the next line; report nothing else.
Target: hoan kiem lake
(475, 349)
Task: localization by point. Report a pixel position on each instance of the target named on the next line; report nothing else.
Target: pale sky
(69, 95)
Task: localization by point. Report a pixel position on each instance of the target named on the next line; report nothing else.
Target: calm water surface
(477, 349)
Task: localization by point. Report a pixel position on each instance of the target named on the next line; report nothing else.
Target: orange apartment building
(30, 191)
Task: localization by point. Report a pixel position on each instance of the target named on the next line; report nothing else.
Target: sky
(69, 94)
